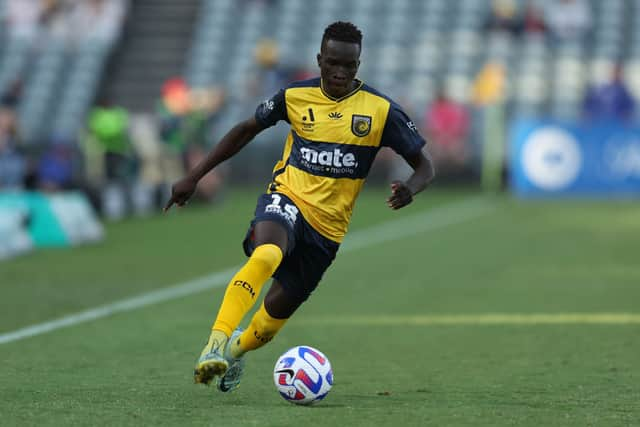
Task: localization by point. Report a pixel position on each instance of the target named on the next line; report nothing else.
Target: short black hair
(342, 32)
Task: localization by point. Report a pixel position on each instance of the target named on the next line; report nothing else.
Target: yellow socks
(245, 287)
(262, 329)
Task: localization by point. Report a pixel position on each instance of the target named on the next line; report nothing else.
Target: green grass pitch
(526, 313)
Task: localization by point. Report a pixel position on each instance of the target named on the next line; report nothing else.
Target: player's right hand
(181, 192)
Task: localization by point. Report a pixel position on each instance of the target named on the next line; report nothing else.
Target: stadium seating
(411, 48)
(83, 77)
(46, 74)
(59, 77)
(15, 54)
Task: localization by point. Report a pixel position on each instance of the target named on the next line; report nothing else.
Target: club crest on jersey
(360, 125)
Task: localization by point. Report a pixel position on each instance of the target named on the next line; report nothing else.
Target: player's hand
(181, 191)
(400, 195)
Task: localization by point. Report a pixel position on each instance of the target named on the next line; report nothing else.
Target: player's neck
(353, 87)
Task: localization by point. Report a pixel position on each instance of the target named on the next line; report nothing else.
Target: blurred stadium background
(116, 98)
(105, 103)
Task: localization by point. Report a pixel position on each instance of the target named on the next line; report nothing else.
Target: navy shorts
(309, 253)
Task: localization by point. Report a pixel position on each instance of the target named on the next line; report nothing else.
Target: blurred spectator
(489, 86)
(23, 19)
(153, 179)
(144, 137)
(11, 97)
(108, 127)
(186, 117)
(53, 16)
(110, 161)
(489, 93)
(609, 100)
(13, 165)
(172, 107)
(186, 114)
(534, 22)
(569, 19)
(503, 17)
(55, 169)
(204, 105)
(272, 74)
(302, 73)
(9, 101)
(66, 20)
(98, 20)
(55, 19)
(446, 127)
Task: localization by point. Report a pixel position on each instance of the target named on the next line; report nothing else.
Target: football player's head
(339, 57)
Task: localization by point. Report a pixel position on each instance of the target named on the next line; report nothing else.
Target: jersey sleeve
(400, 133)
(272, 110)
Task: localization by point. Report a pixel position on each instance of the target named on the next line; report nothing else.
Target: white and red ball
(303, 375)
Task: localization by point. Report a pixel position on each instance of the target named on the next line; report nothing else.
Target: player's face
(338, 62)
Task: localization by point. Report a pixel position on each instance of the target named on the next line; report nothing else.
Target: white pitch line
(435, 218)
(182, 289)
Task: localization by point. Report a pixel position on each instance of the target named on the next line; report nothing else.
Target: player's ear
(318, 58)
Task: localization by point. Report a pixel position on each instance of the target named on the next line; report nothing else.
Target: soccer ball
(303, 375)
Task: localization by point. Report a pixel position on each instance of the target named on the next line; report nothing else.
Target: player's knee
(269, 232)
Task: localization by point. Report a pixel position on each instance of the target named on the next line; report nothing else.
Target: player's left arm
(401, 134)
(423, 173)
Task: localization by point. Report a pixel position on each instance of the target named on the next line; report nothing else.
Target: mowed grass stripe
(409, 225)
(479, 319)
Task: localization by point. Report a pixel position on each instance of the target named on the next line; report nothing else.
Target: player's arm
(230, 144)
(401, 134)
(423, 173)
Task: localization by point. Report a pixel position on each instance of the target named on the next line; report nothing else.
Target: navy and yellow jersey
(331, 147)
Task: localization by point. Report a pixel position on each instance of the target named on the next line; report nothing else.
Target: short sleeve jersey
(331, 147)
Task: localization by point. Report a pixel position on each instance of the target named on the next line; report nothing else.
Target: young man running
(338, 124)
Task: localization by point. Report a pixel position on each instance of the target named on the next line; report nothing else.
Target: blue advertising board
(591, 159)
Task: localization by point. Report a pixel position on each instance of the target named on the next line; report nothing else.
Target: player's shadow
(240, 402)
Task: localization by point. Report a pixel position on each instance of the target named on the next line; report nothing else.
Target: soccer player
(338, 124)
